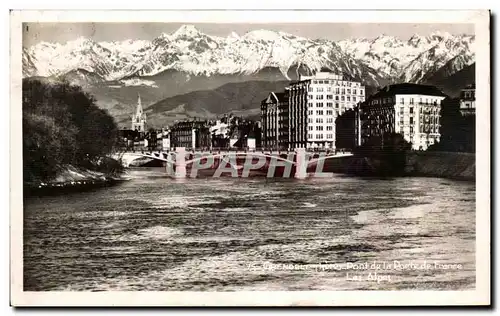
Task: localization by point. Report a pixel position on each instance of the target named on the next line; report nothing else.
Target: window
(309, 135)
(309, 120)
(354, 99)
(336, 98)
(411, 120)
(361, 92)
(310, 104)
(319, 104)
(411, 100)
(310, 89)
(315, 81)
(354, 91)
(329, 120)
(319, 120)
(342, 98)
(329, 89)
(310, 128)
(310, 96)
(319, 89)
(329, 112)
(329, 104)
(329, 128)
(402, 101)
(329, 97)
(329, 136)
(310, 112)
(337, 90)
(319, 136)
(319, 97)
(343, 91)
(348, 91)
(319, 112)
(319, 128)
(411, 109)
(349, 98)
(336, 105)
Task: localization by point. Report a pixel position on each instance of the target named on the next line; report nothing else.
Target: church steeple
(139, 106)
(139, 119)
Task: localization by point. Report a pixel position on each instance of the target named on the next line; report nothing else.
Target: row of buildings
(321, 111)
(303, 116)
(330, 112)
(227, 132)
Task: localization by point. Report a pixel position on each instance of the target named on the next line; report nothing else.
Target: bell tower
(139, 118)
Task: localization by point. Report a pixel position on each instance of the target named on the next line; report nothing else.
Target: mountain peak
(81, 41)
(263, 35)
(186, 30)
(233, 35)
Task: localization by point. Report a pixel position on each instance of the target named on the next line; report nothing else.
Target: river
(223, 234)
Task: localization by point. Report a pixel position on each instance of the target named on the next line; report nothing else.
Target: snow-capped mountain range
(411, 60)
(193, 53)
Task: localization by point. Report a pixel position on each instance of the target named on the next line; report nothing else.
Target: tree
(390, 159)
(458, 132)
(62, 125)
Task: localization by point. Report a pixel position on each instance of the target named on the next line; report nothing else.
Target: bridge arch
(315, 160)
(257, 154)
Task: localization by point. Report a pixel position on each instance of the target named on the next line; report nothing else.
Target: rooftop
(280, 96)
(409, 88)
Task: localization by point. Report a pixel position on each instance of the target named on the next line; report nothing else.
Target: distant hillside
(451, 85)
(242, 98)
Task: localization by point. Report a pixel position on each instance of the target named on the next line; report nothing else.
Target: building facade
(191, 134)
(468, 100)
(274, 118)
(347, 130)
(411, 110)
(297, 114)
(139, 118)
(314, 102)
(328, 96)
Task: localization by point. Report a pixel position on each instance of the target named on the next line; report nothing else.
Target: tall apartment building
(274, 119)
(468, 100)
(411, 110)
(328, 96)
(313, 104)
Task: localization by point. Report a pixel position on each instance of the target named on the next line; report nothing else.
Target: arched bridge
(177, 161)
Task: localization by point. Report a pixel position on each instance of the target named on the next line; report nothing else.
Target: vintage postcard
(256, 158)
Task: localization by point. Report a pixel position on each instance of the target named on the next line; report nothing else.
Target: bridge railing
(146, 151)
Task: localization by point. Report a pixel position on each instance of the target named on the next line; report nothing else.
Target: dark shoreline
(53, 189)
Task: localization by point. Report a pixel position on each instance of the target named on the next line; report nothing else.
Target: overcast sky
(62, 32)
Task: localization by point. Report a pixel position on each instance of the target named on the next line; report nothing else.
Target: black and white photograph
(246, 154)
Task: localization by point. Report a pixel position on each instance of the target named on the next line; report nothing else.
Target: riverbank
(72, 179)
(451, 165)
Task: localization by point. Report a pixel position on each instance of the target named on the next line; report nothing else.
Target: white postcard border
(480, 296)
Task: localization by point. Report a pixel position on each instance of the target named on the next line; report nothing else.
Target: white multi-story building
(411, 110)
(468, 100)
(315, 102)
